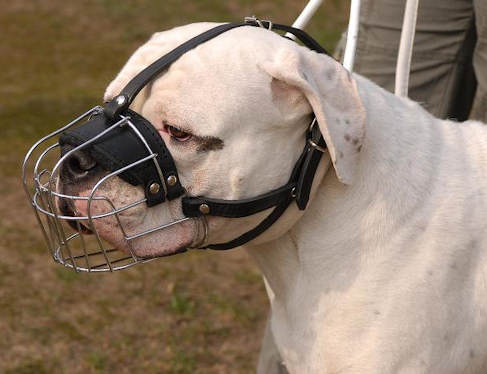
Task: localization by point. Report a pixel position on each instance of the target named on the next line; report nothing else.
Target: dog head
(234, 113)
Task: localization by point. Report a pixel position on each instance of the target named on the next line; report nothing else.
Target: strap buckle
(253, 20)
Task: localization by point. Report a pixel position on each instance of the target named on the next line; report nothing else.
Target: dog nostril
(79, 164)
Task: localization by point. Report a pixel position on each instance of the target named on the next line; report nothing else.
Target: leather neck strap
(298, 188)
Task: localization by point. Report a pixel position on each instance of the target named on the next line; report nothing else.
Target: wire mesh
(64, 234)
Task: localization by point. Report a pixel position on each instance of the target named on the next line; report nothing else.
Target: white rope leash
(352, 35)
(403, 67)
(303, 19)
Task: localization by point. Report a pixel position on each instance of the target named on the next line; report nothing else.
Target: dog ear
(333, 95)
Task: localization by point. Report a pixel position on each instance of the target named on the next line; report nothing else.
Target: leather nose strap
(121, 147)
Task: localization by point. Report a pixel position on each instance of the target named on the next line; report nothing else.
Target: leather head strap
(121, 148)
(123, 100)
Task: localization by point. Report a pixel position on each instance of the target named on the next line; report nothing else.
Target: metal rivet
(120, 100)
(171, 180)
(204, 208)
(154, 188)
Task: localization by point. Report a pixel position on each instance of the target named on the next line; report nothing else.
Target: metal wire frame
(44, 197)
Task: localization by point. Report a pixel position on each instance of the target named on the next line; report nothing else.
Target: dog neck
(321, 244)
(349, 245)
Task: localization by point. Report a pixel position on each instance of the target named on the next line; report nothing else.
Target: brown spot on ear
(347, 122)
(209, 143)
(355, 141)
(347, 137)
(359, 148)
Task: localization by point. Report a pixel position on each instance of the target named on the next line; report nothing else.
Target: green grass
(97, 361)
(182, 304)
(201, 312)
(29, 367)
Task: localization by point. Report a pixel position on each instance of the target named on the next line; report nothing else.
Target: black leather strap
(280, 198)
(307, 40)
(121, 147)
(237, 208)
(299, 189)
(311, 162)
(271, 218)
(123, 100)
(256, 231)
(130, 91)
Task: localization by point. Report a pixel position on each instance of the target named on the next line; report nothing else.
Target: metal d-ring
(316, 146)
(259, 22)
(310, 140)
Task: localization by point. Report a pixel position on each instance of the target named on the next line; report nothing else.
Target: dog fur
(386, 270)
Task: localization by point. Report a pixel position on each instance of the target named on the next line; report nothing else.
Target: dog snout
(67, 210)
(77, 166)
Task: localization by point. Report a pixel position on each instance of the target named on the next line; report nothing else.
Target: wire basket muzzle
(64, 233)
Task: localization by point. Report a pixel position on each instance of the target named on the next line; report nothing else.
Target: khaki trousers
(449, 65)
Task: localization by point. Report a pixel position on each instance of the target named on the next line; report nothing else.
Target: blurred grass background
(202, 312)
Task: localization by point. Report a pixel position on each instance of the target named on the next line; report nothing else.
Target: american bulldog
(386, 270)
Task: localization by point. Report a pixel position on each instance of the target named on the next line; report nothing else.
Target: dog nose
(77, 166)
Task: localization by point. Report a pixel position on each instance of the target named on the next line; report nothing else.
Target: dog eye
(178, 134)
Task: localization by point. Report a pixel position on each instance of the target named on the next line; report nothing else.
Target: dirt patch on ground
(198, 312)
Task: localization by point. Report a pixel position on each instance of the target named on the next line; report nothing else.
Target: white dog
(386, 270)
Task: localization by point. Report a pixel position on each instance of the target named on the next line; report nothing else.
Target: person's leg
(480, 61)
(441, 75)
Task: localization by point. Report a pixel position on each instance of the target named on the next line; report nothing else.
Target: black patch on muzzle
(122, 147)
